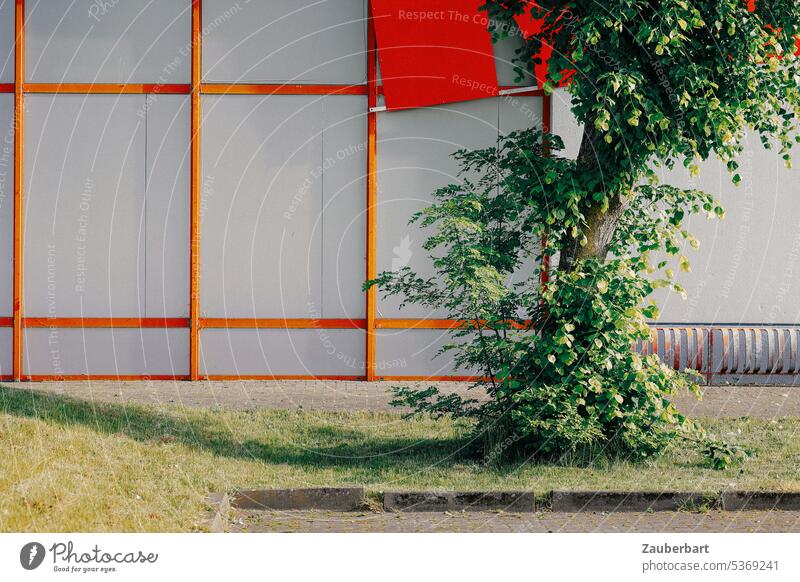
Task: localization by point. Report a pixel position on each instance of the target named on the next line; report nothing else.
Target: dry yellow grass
(68, 465)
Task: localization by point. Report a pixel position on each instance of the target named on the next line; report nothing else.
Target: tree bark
(599, 225)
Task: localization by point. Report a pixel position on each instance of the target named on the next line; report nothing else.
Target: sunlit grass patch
(70, 465)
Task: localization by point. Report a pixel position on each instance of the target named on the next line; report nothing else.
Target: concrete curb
(352, 498)
(330, 498)
(760, 500)
(611, 501)
(516, 501)
(220, 511)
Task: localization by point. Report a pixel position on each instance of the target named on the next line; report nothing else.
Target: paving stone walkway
(723, 401)
(540, 522)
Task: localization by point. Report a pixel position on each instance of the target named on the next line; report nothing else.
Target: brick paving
(541, 522)
(723, 401)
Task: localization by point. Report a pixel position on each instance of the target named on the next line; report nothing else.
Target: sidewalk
(722, 401)
(542, 522)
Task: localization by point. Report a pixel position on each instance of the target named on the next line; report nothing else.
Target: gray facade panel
(106, 351)
(167, 206)
(747, 269)
(267, 239)
(85, 206)
(415, 150)
(564, 123)
(344, 205)
(6, 351)
(85, 41)
(298, 41)
(6, 204)
(276, 352)
(413, 352)
(7, 37)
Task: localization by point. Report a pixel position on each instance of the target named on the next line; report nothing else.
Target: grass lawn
(68, 465)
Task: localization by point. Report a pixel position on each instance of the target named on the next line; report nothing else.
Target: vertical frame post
(194, 285)
(19, 180)
(547, 121)
(372, 194)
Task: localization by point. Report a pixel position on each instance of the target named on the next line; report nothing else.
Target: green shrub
(556, 360)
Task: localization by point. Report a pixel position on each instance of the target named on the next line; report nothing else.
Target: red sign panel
(432, 53)
(530, 27)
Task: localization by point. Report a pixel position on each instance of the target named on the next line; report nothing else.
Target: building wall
(283, 196)
(747, 269)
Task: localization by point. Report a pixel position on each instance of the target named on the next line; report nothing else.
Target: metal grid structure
(195, 323)
(717, 352)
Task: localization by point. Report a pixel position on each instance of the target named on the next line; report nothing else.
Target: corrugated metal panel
(757, 351)
(301, 41)
(244, 352)
(6, 204)
(682, 348)
(106, 351)
(86, 41)
(84, 187)
(167, 206)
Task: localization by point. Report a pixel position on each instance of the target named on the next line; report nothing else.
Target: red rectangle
(433, 52)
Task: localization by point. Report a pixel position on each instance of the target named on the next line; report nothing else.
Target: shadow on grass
(314, 443)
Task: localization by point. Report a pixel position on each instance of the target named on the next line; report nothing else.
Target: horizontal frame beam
(101, 377)
(276, 323)
(212, 89)
(107, 88)
(261, 89)
(246, 377)
(104, 322)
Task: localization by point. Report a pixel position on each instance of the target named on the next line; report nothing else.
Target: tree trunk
(600, 225)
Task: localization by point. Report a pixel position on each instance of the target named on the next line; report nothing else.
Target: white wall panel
(85, 206)
(282, 352)
(6, 204)
(415, 150)
(504, 54)
(85, 41)
(564, 123)
(6, 351)
(106, 351)
(107, 216)
(282, 205)
(344, 197)
(7, 37)
(167, 202)
(413, 352)
(302, 41)
(414, 159)
(747, 269)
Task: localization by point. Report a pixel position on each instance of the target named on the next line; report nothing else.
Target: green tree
(656, 84)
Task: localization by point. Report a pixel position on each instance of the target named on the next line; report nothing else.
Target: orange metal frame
(19, 109)
(194, 259)
(195, 323)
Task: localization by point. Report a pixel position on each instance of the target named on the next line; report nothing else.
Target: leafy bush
(556, 360)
